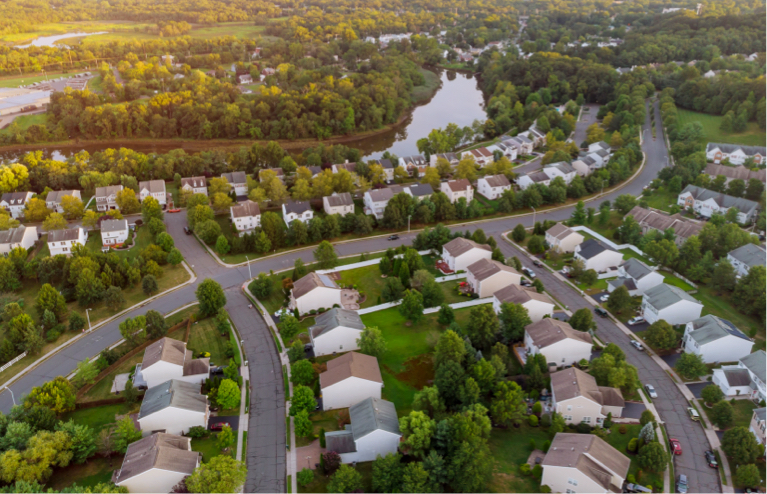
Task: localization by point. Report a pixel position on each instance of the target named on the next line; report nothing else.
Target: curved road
(266, 446)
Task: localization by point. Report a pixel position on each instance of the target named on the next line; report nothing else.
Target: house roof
(497, 181)
(12, 236)
(481, 153)
(342, 199)
(450, 157)
(459, 246)
(737, 377)
(310, 282)
(517, 294)
(459, 185)
(351, 364)
(736, 172)
(162, 451)
(102, 193)
(279, 172)
(485, 268)
(627, 282)
(548, 331)
(66, 234)
(592, 248)
(722, 200)
(760, 414)
(297, 207)
(330, 320)
(165, 350)
(756, 363)
(563, 167)
(194, 182)
(173, 393)
(235, 177)
(538, 176)
(195, 366)
(751, 255)
(108, 226)
(636, 269)
(560, 231)
(380, 195)
(341, 441)
(315, 170)
(386, 163)
(371, 415)
(415, 159)
(572, 383)
(56, 195)
(710, 328)
(246, 209)
(601, 144)
(731, 148)
(152, 186)
(590, 455)
(657, 220)
(663, 295)
(421, 190)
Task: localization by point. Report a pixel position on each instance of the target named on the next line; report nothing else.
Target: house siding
(348, 392)
(173, 420)
(320, 297)
(154, 480)
(378, 442)
(339, 340)
(557, 478)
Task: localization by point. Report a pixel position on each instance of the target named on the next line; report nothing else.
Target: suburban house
(15, 202)
(62, 241)
(482, 156)
(114, 233)
(746, 257)
(238, 181)
(747, 378)
(560, 169)
(54, 197)
(157, 463)
(341, 204)
(336, 331)
(419, 191)
(493, 186)
(599, 146)
(670, 303)
(521, 142)
(415, 165)
(660, 221)
(636, 276)
(168, 359)
(460, 252)
(173, 407)
(21, 236)
(562, 238)
(349, 167)
(106, 197)
(715, 340)
(244, 79)
(297, 210)
(279, 172)
(455, 189)
(246, 216)
(388, 168)
(508, 151)
(557, 341)
(487, 276)
(350, 378)
(376, 200)
(707, 202)
(537, 304)
(153, 188)
(583, 463)
(532, 178)
(451, 158)
(757, 425)
(597, 255)
(576, 396)
(737, 154)
(731, 173)
(536, 135)
(314, 291)
(582, 167)
(315, 170)
(373, 432)
(195, 185)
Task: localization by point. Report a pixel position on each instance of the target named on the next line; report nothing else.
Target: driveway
(308, 456)
(233, 421)
(696, 388)
(633, 410)
(598, 296)
(671, 359)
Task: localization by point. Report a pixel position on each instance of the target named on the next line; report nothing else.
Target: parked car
(217, 426)
(675, 445)
(525, 282)
(637, 345)
(187, 230)
(604, 297)
(537, 263)
(651, 390)
(529, 272)
(174, 210)
(711, 459)
(637, 488)
(693, 413)
(636, 320)
(681, 484)
(600, 311)
(393, 237)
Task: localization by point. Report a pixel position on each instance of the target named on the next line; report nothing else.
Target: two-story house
(735, 153)
(195, 185)
(636, 276)
(374, 432)
(493, 186)
(153, 188)
(157, 463)
(54, 197)
(297, 210)
(522, 143)
(486, 276)
(532, 178)
(715, 340)
(314, 291)
(415, 165)
(167, 359)
(482, 156)
(562, 238)
(349, 379)
(246, 216)
(460, 252)
(707, 202)
(537, 304)
(560, 169)
(576, 396)
(376, 200)
(746, 257)
(557, 341)
(597, 255)
(238, 181)
(583, 463)
(388, 168)
(62, 241)
(731, 173)
(419, 191)
(21, 236)
(652, 220)
(106, 197)
(747, 378)
(456, 189)
(341, 204)
(114, 233)
(757, 425)
(670, 303)
(336, 331)
(173, 407)
(15, 202)
(451, 158)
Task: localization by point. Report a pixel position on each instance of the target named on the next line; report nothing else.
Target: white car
(283, 312)
(604, 298)
(529, 272)
(636, 320)
(651, 390)
(637, 345)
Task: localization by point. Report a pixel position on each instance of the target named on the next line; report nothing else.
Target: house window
(586, 420)
(570, 491)
(569, 407)
(572, 481)
(568, 417)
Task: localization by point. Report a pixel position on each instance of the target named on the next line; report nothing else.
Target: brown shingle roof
(310, 282)
(516, 294)
(589, 454)
(459, 185)
(62, 235)
(152, 186)
(735, 172)
(571, 383)
(657, 220)
(549, 331)
(342, 199)
(197, 366)
(165, 349)
(461, 245)
(485, 268)
(352, 364)
(194, 182)
(246, 209)
(560, 231)
(161, 451)
(498, 181)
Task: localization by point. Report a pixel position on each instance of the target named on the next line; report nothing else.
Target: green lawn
(367, 280)
(203, 337)
(96, 84)
(143, 239)
(208, 447)
(628, 254)
(95, 471)
(743, 411)
(102, 389)
(320, 420)
(510, 448)
(670, 279)
(320, 482)
(722, 306)
(752, 136)
(25, 121)
(98, 418)
(661, 199)
(620, 442)
(599, 286)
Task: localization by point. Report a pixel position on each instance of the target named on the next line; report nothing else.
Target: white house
(153, 188)
(506, 150)
(482, 156)
(157, 463)
(576, 396)
(670, 303)
(106, 197)
(460, 252)
(336, 331)
(15, 202)
(238, 182)
(297, 210)
(599, 146)
(349, 167)
(532, 178)
(560, 169)
(54, 197)
(415, 165)
(537, 304)
(246, 216)
(350, 378)
(557, 341)
(597, 255)
(114, 233)
(314, 291)
(746, 257)
(581, 168)
(376, 200)
(521, 142)
(373, 432)
(757, 425)
(562, 238)
(62, 241)
(455, 189)
(21, 236)
(715, 340)
(636, 276)
(195, 185)
(737, 154)
(451, 158)
(168, 359)
(341, 204)
(244, 79)
(707, 202)
(583, 463)
(487, 276)
(536, 135)
(388, 168)
(747, 378)
(173, 407)
(493, 186)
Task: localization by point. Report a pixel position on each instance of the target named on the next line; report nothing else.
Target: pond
(51, 40)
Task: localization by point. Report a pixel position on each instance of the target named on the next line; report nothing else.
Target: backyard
(752, 136)
(620, 442)
(743, 411)
(208, 446)
(660, 199)
(203, 337)
(320, 482)
(95, 471)
(510, 448)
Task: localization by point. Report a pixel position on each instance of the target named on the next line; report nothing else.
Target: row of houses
(708, 202)
(736, 154)
(596, 157)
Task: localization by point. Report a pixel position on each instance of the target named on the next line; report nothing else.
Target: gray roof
(602, 144)
(731, 148)
(57, 195)
(340, 441)
(589, 161)
(590, 455)
(15, 198)
(751, 255)
(538, 176)
(562, 167)
(735, 172)
(636, 269)
(627, 282)
(663, 295)
(661, 221)
(152, 186)
(246, 209)
(13, 236)
(340, 199)
(334, 318)
(297, 207)
(711, 328)
(722, 200)
(498, 181)
(62, 235)
(459, 246)
(592, 248)
(421, 190)
(194, 182)
(173, 393)
(385, 163)
(102, 193)
(380, 195)
(162, 451)
(416, 159)
(24, 99)
(560, 231)
(737, 377)
(108, 226)
(757, 364)
(760, 415)
(316, 170)
(235, 177)
(371, 415)
(450, 157)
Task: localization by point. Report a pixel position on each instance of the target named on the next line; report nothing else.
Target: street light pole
(408, 223)
(533, 215)
(89, 319)
(249, 273)
(12, 397)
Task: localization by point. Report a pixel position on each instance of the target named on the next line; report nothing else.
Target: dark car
(537, 263)
(711, 459)
(217, 426)
(525, 282)
(393, 237)
(600, 312)
(187, 230)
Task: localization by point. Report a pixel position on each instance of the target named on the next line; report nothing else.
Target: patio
(350, 299)
(443, 267)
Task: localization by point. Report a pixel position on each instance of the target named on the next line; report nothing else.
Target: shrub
(537, 408)
(622, 429)
(524, 469)
(545, 489)
(537, 471)
(322, 438)
(305, 477)
(632, 446)
(196, 432)
(583, 428)
(533, 420)
(545, 420)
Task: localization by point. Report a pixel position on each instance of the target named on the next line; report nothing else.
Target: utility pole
(89, 319)
(12, 397)
(408, 223)
(249, 273)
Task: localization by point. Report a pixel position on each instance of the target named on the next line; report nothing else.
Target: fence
(19, 357)
(430, 310)
(450, 277)
(362, 264)
(605, 240)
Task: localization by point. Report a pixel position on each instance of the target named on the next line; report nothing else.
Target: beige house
(576, 396)
(487, 276)
(757, 426)
(455, 189)
(350, 378)
(537, 304)
(106, 197)
(245, 216)
(583, 463)
(21, 236)
(168, 359)
(157, 463)
(54, 197)
(153, 188)
(342, 203)
(195, 185)
(460, 252)
(173, 407)
(562, 238)
(557, 341)
(314, 291)
(493, 186)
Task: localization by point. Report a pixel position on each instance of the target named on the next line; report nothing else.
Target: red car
(174, 210)
(676, 447)
(217, 426)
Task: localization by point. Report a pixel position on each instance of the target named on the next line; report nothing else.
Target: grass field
(510, 448)
(620, 442)
(203, 337)
(95, 471)
(102, 389)
(320, 482)
(752, 136)
(25, 121)
(422, 93)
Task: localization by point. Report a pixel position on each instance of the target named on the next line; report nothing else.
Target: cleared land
(752, 136)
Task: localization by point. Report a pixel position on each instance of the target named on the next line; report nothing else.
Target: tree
(411, 307)
(86, 372)
(417, 431)
(208, 231)
(449, 348)
(149, 285)
(125, 434)
(48, 298)
(76, 321)
(646, 418)
(445, 315)
(151, 209)
(174, 257)
(518, 234)
(222, 245)
(305, 477)
(229, 394)
(73, 207)
(36, 210)
(508, 405)
(712, 394)
(262, 286)
(579, 214)
(428, 400)
(113, 298)
(722, 414)
(296, 351)
(387, 473)
(302, 373)
(303, 399)
(127, 201)
(346, 479)
(289, 327)
(750, 292)
(211, 297)
(55, 221)
(325, 255)
(625, 203)
(448, 378)
(748, 475)
(58, 395)
(432, 293)
(130, 393)
(371, 342)
(691, 365)
(17, 435)
(156, 325)
(483, 326)
(514, 318)
(741, 445)
(303, 426)
(582, 320)
(226, 438)
(661, 335)
(619, 300)
(404, 274)
(536, 244)
(653, 457)
(415, 478)
(221, 474)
